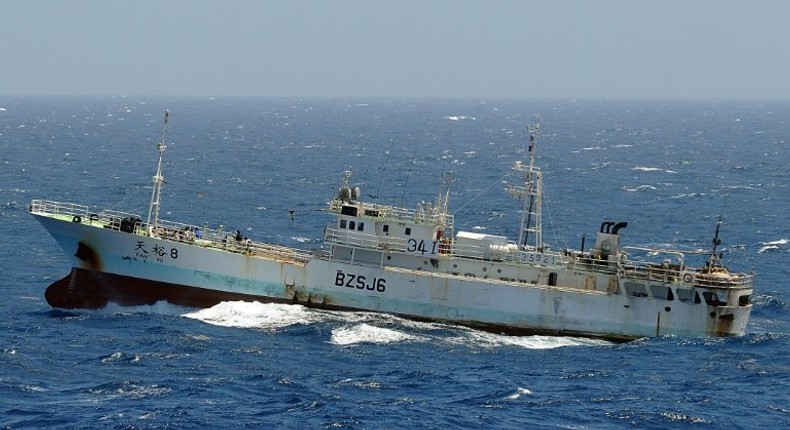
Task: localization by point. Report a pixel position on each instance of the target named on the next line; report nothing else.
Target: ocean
(269, 166)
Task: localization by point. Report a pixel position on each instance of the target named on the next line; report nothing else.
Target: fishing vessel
(404, 261)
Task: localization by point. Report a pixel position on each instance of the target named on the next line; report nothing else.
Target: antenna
(533, 130)
(715, 260)
(531, 187)
(443, 198)
(158, 179)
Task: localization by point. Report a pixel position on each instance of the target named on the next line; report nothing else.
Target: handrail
(433, 215)
(168, 230)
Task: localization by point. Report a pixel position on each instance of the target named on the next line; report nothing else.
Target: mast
(443, 198)
(715, 260)
(531, 188)
(153, 210)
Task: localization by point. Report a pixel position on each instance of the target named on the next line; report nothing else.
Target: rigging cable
(499, 181)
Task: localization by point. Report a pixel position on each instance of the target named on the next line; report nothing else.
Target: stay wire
(477, 196)
(220, 197)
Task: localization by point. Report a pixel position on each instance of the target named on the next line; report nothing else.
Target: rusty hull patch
(89, 256)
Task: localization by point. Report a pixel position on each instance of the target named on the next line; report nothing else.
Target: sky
(404, 48)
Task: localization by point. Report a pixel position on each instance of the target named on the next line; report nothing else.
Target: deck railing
(430, 215)
(167, 230)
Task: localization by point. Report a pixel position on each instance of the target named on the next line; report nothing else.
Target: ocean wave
(687, 196)
(683, 418)
(644, 187)
(460, 118)
(13, 190)
(518, 393)
(161, 307)
(366, 333)
(302, 239)
(742, 187)
(768, 302)
(765, 338)
(492, 340)
(767, 249)
(773, 245)
(652, 169)
(265, 316)
(366, 327)
(129, 389)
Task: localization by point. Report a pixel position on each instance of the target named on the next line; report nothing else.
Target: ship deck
(188, 234)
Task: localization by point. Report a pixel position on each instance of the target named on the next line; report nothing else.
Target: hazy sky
(577, 49)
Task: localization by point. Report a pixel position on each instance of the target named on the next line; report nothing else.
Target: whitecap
(518, 393)
(685, 196)
(267, 316)
(767, 249)
(161, 307)
(115, 356)
(653, 169)
(365, 333)
(33, 388)
(492, 340)
(644, 187)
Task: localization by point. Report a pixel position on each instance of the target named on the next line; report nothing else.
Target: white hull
(417, 289)
(409, 262)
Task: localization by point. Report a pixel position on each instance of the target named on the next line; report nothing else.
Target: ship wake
(354, 328)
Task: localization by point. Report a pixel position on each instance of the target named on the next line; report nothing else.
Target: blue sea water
(668, 167)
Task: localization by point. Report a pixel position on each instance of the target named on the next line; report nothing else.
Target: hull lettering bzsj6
(359, 282)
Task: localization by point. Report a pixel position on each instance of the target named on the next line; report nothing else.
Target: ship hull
(134, 269)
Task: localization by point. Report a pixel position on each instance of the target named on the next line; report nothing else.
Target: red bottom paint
(88, 289)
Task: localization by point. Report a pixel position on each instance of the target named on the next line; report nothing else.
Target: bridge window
(342, 223)
(386, 228)
(712, 299)
(636, 290)
(349, 210)
(352, 225)
(662, 292)
(361, 226)
(685, 295)
(408, 231)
